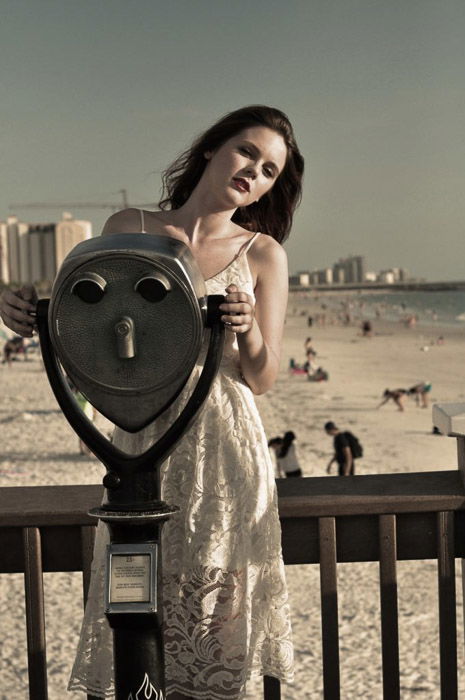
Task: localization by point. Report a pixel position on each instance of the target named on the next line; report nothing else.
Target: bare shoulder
(132, 220)
(124, 221)
(267, 257)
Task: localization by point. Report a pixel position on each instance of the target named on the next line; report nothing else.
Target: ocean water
(445, 307)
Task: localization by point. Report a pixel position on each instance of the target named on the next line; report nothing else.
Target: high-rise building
(350, 269)
(394, 274)
(314, 277)
(4, 274)
(41, 253)
(360, 268)
(325, 276)
(69, 232)
(339, 272)
(18, 267)
(36, 251)
(302, 279)
(386, 276)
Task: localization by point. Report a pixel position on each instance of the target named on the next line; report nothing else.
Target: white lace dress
(226, 613)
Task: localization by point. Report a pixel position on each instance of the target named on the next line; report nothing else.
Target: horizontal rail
(306, 497)
(61, 511)
(372, 494)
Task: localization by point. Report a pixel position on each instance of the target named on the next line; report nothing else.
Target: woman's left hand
(240, 310)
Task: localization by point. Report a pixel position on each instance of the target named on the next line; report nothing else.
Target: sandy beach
(38, 447)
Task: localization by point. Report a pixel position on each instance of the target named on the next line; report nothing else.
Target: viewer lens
(151, 289)
(89, 291)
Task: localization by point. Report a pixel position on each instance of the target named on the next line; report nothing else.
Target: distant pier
(412, 286)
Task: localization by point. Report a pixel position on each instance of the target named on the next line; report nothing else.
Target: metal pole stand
(133, 600)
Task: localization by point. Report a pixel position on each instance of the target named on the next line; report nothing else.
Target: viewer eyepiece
(90, 288)
(153, 288)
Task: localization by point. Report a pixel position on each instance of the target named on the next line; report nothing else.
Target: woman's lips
(241, 185)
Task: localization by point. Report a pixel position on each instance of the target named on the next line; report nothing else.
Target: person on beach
(367, 329)
(12, 348)
(420, 393)
(346, 449)
(226, 611)
(396, 395)
(310, 352)
(315, 373)
(308, 345)
(287, 462)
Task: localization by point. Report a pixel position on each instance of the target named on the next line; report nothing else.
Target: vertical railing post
(271, 688)
(329, 608)
(447, 606)
(35, 614)
(389, 606)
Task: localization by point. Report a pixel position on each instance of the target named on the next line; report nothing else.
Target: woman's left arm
(259, 326)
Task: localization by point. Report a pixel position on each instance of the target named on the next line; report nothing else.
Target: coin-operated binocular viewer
(127, 322)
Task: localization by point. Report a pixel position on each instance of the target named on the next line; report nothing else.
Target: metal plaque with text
(130, 581)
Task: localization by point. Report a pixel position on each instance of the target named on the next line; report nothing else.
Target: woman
(226, 614)
(286, 456)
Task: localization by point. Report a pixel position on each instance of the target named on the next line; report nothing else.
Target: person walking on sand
(230, 198)
(347, 448)
(396, 395)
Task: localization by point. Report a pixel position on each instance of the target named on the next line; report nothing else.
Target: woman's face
(246, 166)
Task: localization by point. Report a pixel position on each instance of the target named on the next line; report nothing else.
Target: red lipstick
(241, 184)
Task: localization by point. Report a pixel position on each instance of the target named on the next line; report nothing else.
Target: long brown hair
(273, 213)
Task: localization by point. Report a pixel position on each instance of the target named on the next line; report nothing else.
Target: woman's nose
(251, 170)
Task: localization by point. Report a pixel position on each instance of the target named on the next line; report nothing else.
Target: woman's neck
(199, 220)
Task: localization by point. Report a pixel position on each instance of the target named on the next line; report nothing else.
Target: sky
(97, 97)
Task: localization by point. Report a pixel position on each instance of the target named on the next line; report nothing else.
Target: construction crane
(114, 206)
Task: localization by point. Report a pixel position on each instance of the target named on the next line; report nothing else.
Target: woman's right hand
(17, 310)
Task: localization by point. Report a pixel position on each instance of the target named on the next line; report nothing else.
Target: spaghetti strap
(248, 245)
(142, 222)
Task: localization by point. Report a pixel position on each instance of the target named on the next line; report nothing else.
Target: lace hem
(206, 695)
(80, 685)
(220, 635)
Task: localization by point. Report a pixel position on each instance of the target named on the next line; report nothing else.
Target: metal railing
(383, 518)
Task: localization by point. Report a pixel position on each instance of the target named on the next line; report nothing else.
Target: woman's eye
(245, 150)
(268, 172)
